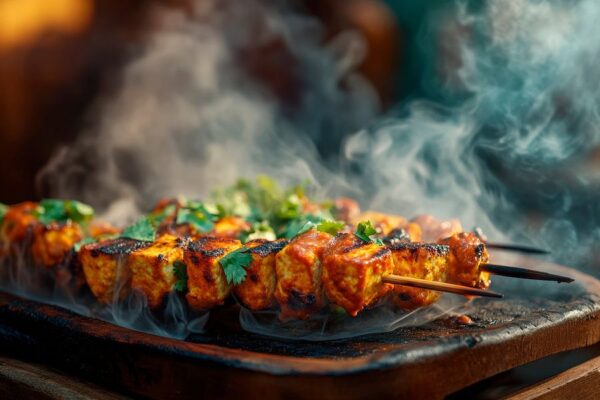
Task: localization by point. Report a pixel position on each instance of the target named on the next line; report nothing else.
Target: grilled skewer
(301, 276)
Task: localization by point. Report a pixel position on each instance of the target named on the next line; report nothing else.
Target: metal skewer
(511, 247)
(439, 286)
(524, 273)
(517, 247)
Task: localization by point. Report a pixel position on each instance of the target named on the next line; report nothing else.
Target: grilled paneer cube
(353, 270)
(230, 227)
(299, 289)
(207, 284)
(467, 254)
(104, 265)
(257, 291)
(418, 260)
(152, 268)
(18, 224)
(54, 241)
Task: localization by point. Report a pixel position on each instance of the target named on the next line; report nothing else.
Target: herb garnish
(54, 210)
(3, 210)
(142, 230)
(234, 265)
(365, 230)
(330, 226)
(196, 214)
(181, 274)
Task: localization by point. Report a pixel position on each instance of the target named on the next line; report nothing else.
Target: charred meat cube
(467, 254)
(152, 268)
(54, 241)
(207, 284)
(299, 289)
(353, 270)
(104, 265)
(258, 289)
(422, 261)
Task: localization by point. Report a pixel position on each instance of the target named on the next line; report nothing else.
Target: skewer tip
(525, 273)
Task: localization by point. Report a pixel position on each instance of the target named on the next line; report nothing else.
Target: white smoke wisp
(507, 147)
(193, 114)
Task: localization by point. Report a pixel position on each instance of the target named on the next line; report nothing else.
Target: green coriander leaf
(234, 265)
(51, 210)
(300, 225)
(200, 208)
(365, 230)
(331, 227)
(83, 242)
(3, 210)
(54, 210)
(180, 271)
(158, 218)
(141, 230)
(78, 212)
(196, 219)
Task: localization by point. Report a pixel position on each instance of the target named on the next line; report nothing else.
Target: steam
(228, 91)
(195, 111)
(511, 146)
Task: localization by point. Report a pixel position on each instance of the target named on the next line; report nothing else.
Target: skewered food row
(207, 254)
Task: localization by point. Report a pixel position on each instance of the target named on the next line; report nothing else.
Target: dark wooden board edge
(165, 368)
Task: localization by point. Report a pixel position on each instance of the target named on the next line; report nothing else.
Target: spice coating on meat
(467, 254)
(207, 285)
(152, 270)
(418, 260)
(104, 266)
(299, 289)
(353, 272)
(257, 291)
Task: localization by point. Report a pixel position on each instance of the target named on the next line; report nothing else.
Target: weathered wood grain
(581, 382)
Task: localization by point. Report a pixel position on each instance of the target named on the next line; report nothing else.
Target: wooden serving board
(534, 320)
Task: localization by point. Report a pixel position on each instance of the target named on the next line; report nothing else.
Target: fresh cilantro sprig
(142, 229)
(234, 265)
(308, 222)
(330, 226)
(181, 274)
(54, 210)
(3, 210)
(158, 217)
(364, 231)
(197, 215)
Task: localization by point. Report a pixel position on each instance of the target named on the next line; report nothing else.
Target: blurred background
(521, 75)
(57, 57)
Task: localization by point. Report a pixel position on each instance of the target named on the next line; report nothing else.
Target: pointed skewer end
(524, 273)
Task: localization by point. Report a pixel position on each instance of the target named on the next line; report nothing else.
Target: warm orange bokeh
(22, 21)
